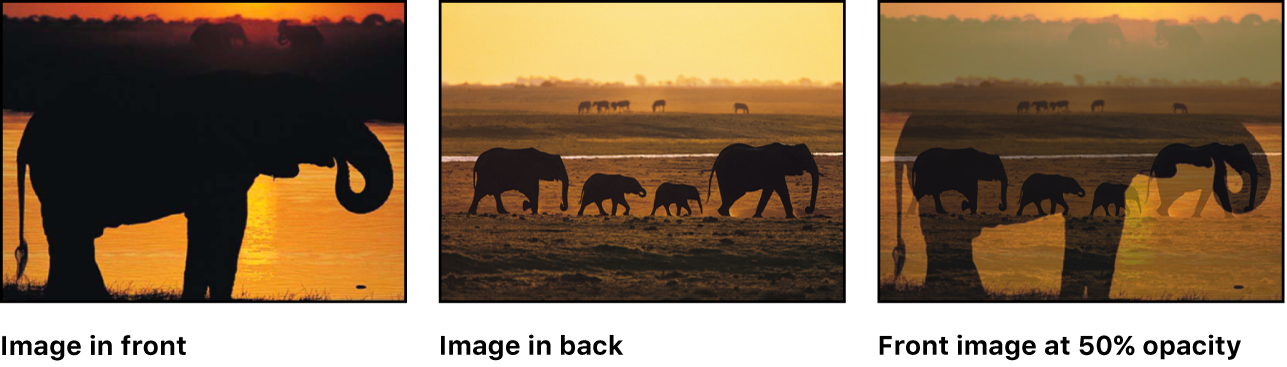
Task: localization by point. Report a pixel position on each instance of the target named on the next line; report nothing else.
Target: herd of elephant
(1056, 106)
(600, 106)
(740, 169)
(225, 36)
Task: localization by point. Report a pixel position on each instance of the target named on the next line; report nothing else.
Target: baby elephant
(1115, 194)
(1040, 187)
(669, 193)
(600, 187)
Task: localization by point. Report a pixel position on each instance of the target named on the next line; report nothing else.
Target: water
(299, 241)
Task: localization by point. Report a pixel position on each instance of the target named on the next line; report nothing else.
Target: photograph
(204, 152)
(1080, 152)
(576, 140)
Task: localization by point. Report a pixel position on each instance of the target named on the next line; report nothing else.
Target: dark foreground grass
(890, 291)
(35, 292)
(597, 258)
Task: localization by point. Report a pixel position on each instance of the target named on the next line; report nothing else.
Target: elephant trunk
(813, 198)
(1081, 193)
(371, 160)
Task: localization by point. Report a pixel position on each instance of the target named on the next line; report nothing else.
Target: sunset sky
(495, 43)
(1048, 11)
(176, 11)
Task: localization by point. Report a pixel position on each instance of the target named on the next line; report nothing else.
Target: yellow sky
(495, 43)
(1049, 11)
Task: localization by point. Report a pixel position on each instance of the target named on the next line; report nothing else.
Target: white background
(653, 334)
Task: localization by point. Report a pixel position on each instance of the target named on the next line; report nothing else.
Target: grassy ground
(900, 292)
(559, 257)
(471, 132)
(25, 291)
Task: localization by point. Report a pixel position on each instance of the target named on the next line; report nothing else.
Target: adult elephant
(1166, 165)
(1090, 244)
(742, 168)
(299, 37)
(499, 170)
(193, 146)
(221, 36)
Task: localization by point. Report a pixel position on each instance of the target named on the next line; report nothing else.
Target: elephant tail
(708, 183)
(20, 254)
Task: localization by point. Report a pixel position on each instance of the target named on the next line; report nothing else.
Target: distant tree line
(1119, 81)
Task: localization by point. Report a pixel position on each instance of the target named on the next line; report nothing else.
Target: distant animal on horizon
(675, 194)
(614, 106)
(1023, 107)
(1114, 194)
(600, 187)
(599, 106)
(219, 36)
(742, 168)
(299, 37)
(584, 106)
(1097, 103)
(741, 107)
(191, 146)
(1039, 187)
(499, 170)
(1060, 105)
(625, 105)
(659, 103)
(1175, 108)
(1040, 105)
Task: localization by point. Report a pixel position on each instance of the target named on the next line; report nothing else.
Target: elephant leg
(785, 196)
(216, 228)
(532, 193)
(73, 269)
(764, 201)
(622, 200)
(601, 211)
(938, 205)
(1061, 203)
(654, 207)
(1090, 259)
(1022, 203)
(971, 192)
(473, 206)
(582, 211)
(1203, 195)
(1037, 204)
(1165, 199)
(950, 272)
(684, 206)
(728, 196)
(500, 207)
(1054, 202)
(667, 207)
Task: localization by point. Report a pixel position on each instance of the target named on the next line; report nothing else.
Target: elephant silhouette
(1177, 107)
(299, 37)
(1097, 103)
(678, 195)
(221, 36)
(741, 107)
(584, 106)
(599, 106)
(192, 146)
(1090, 244)
(1114, 194)
(600, 187)
(625, 105)
(1238, 156)
(1039, 187)
(1023, 107)
(1040, 105)
(742, 168)
(1176, 36)
(938, 170)
(1096, 36)
(659, 103)
(499, 170)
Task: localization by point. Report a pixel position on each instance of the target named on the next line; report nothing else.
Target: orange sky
(304, 12)
(1048, 11)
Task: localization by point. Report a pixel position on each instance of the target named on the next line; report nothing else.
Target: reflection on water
(299, 240)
